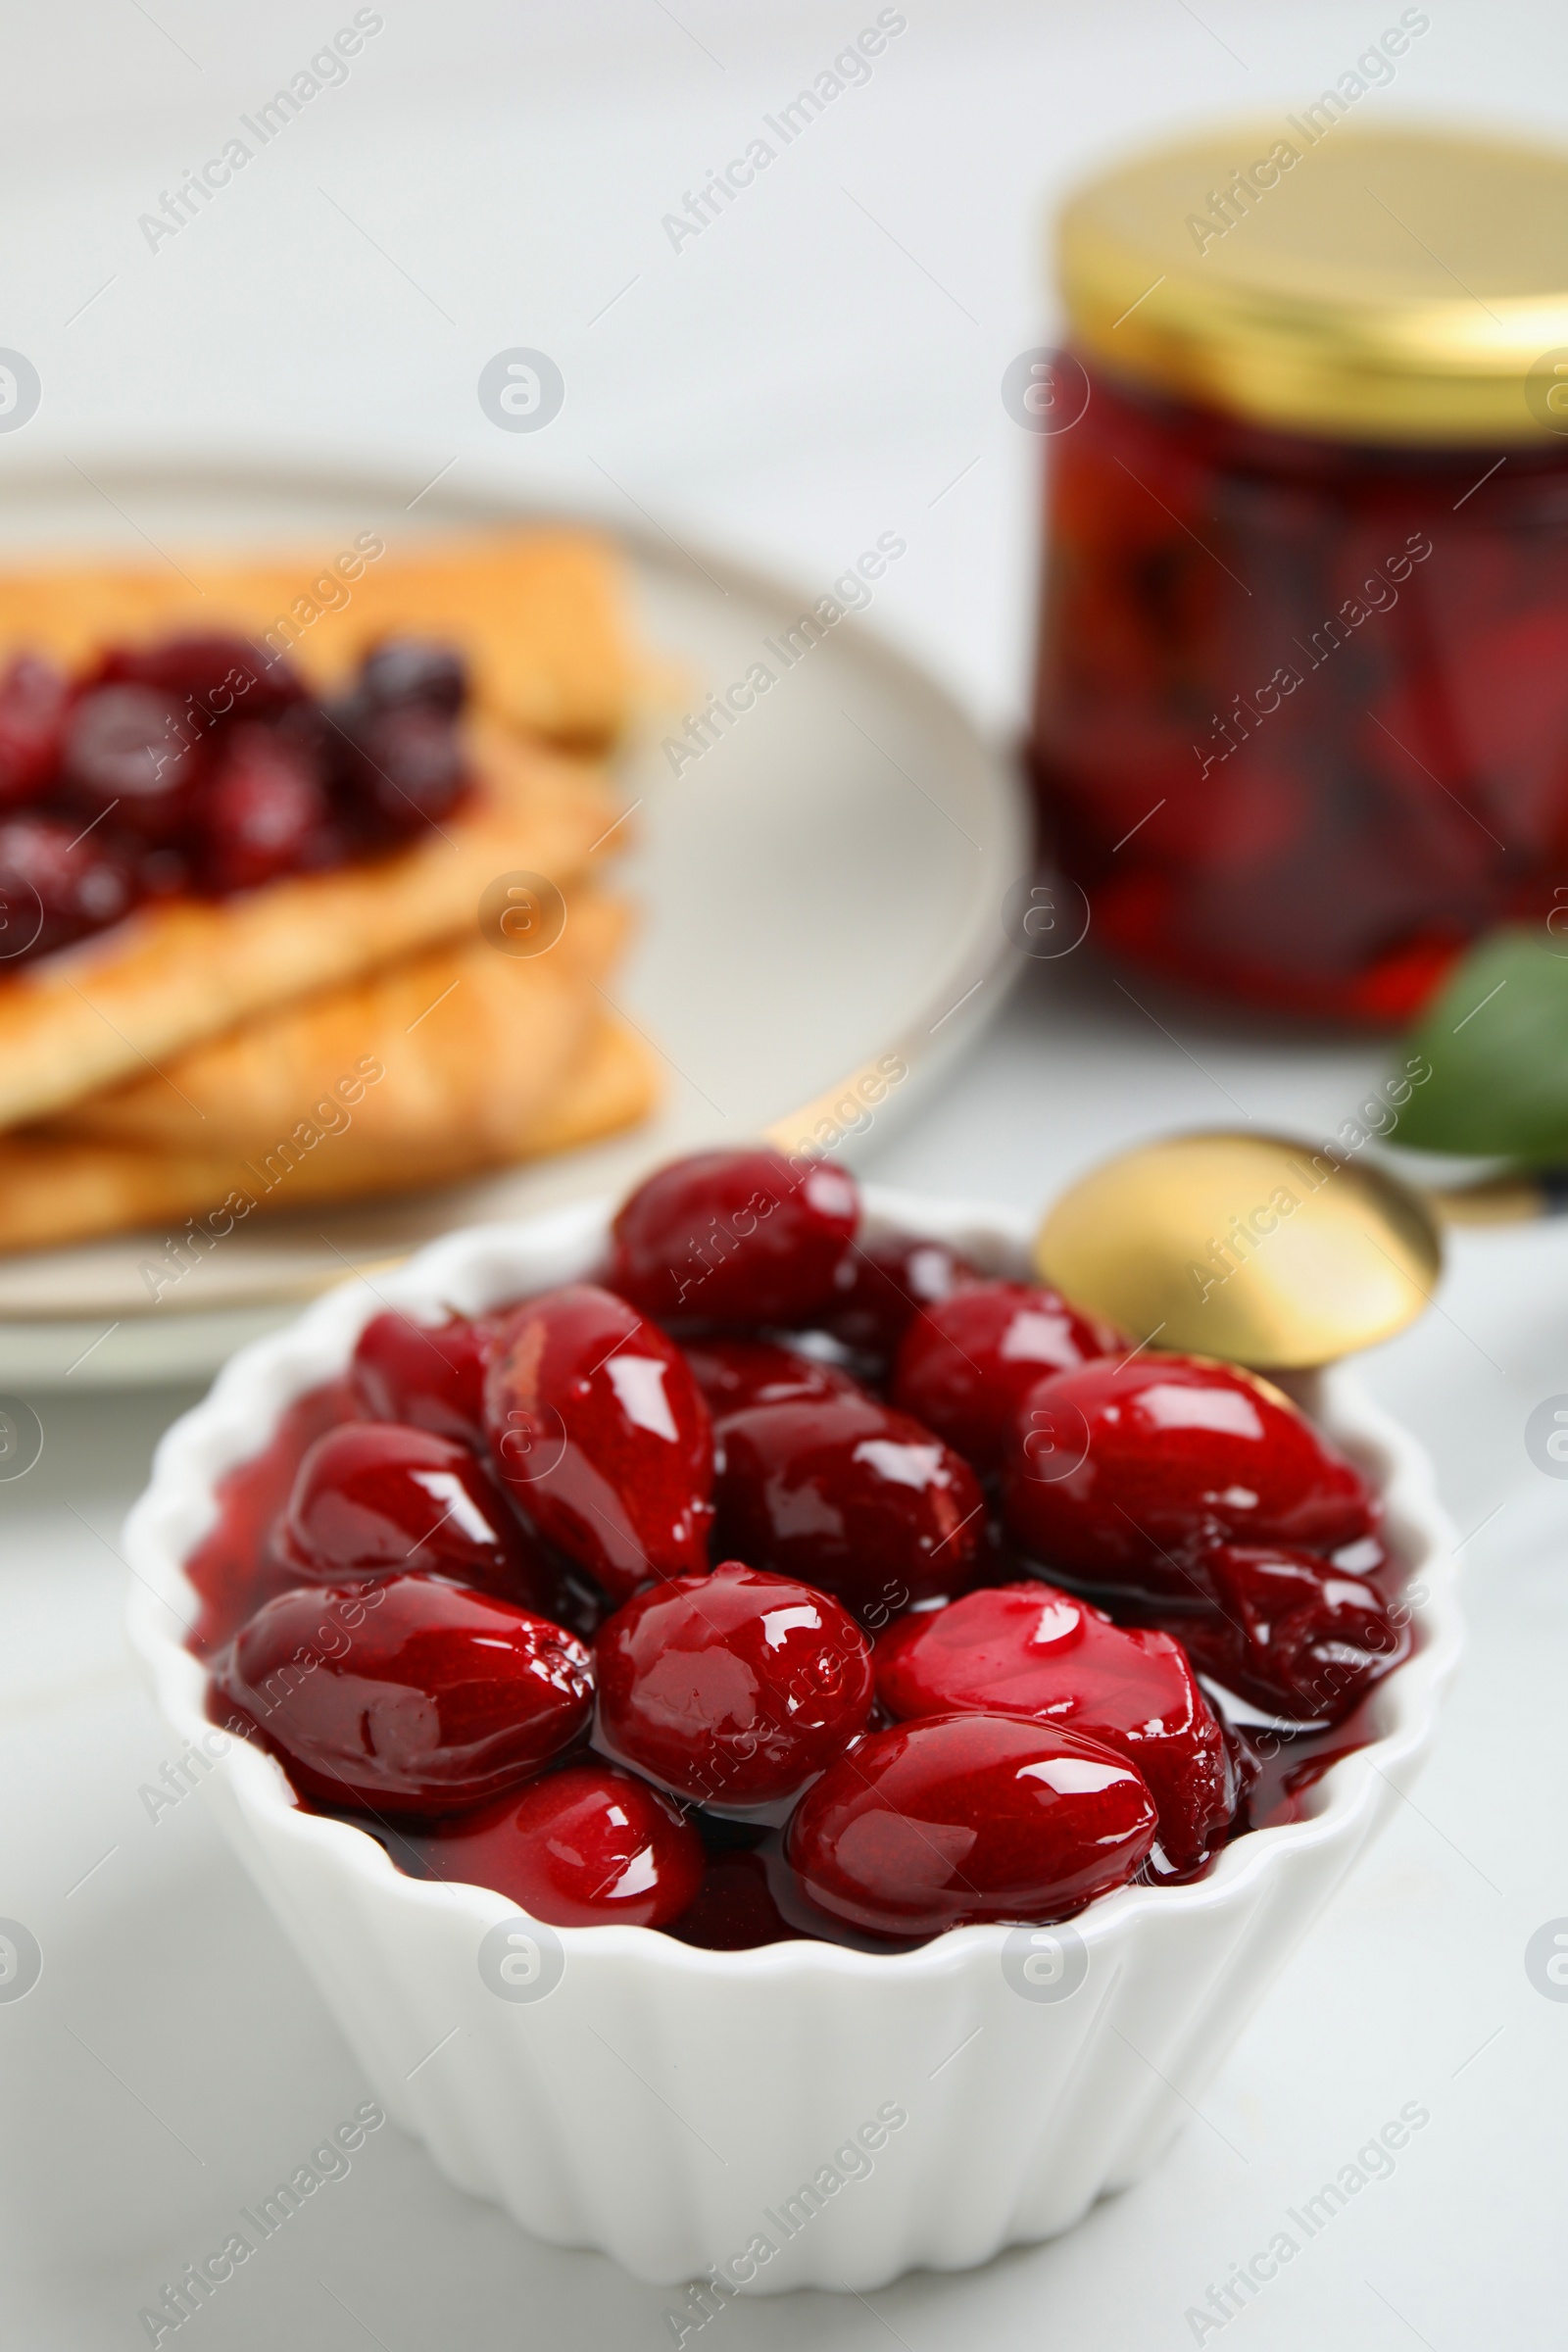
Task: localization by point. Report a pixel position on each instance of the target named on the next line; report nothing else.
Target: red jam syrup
(231, 1567)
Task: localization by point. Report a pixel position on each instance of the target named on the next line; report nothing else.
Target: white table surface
(822, 364)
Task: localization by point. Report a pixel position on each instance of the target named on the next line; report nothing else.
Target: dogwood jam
(1302, 712)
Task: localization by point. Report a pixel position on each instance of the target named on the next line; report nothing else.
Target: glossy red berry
(34, 701)
(57, 886)
(1030, 1650)
(1117, 1471)
(212, 677)
(602, 1437)
(880, 1287)
(583, 1847)
(736, 1374)
(431, 1375)
(414, 670)
(734, 1688)
(735, 1237)
(966, 1365)
(851, 1499)
(733, 1909)
(1288, 1631)
(405, 1697)
(378, 1499)
(260, 812)
(404, 765)
(960, 1819)
(129, 750)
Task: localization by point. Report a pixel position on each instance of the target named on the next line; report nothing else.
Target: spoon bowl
(1258, 1248)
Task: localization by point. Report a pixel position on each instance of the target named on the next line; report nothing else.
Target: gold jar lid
(1315, 275)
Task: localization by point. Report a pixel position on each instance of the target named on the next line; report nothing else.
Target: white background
(821, 364)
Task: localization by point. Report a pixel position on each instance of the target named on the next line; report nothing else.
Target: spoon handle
(1514, 1200)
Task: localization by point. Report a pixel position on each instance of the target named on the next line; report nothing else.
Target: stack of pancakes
(360, 1031)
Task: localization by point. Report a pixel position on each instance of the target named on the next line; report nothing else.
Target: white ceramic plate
(821, 889)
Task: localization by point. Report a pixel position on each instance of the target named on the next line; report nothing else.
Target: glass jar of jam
(1301, 715)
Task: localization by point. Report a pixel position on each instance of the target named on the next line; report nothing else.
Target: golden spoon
(1256, 1247)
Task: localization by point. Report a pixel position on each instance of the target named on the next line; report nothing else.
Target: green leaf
(1496, 1039)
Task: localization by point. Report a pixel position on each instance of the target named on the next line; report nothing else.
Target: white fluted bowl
(670, 2106)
